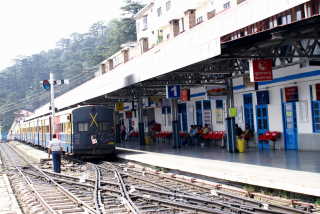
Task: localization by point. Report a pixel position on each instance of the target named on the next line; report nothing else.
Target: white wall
(274, 108)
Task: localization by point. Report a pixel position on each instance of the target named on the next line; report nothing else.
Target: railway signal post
(51, 81)
(49, 85)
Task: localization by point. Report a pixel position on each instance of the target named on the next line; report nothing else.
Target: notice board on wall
(261, 70)
(303, 109)
(291, 94)
(185, 95)
(318, 91)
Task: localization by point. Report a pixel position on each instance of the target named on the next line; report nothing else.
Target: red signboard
(318, 91)
(262, 70)
(185, 95)
(291, 94)
(128, 114)
(216, 91)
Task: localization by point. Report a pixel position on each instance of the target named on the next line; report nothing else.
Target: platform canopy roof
(193, 58)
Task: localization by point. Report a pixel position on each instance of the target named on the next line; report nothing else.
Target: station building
(206, 48)
(173, 34)
(287, 104)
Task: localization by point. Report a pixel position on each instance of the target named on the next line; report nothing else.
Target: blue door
(290, 126)
(262, 125)
(199, 113)
(248, 111)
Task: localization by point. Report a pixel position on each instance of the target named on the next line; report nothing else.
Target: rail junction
(286, 35)
(107, 187)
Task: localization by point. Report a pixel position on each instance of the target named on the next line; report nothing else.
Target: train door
(290, 126)
(262, 124)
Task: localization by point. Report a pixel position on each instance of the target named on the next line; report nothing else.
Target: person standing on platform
(123, 133)
(238, 130)
(55, 149)
(193, 134)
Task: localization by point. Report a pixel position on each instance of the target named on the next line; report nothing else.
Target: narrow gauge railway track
(112, 185)
(37, 192)
(150, 198)
(111, 188)
(55, 197)
(138, 178)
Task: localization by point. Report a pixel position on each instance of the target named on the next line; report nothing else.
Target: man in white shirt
(55, 149)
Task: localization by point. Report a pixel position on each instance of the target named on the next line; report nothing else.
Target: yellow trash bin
(241, 144)
(148, 140)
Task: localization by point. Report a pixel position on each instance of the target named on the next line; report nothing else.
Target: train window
(103, 126)
(68, 128)
(83, 127)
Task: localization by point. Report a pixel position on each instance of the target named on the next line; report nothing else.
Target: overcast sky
(29, 26)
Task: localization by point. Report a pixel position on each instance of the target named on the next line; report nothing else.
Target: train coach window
(103, 126)
(83, 127)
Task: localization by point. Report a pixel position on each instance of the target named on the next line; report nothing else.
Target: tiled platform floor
(302, 161)
(291, 171)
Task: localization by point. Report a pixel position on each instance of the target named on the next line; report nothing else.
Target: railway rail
(117, 188)
(155, 190)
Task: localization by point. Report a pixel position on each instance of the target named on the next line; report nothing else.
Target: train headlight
(111, 143)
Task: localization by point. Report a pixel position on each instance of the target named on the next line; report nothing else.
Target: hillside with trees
(75, 58)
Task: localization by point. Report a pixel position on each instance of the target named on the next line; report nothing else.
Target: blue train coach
(84, 131)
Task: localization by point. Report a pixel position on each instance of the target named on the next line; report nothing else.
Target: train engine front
(93, 132)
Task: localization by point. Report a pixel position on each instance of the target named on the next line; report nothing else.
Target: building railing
(300, 12)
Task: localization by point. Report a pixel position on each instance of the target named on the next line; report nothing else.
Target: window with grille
(316, 116)
(199, 19)
(299, 15)
(226, 5)
(219, 104)
(168, 5)
(145, 23)
(159, 11)
(206, 105)
(83, 127)
(181, 25)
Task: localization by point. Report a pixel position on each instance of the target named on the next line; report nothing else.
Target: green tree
(20, 83)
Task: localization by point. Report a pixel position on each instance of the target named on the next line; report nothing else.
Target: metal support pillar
(117, 127)
(175, 127)
(141, 124)
(230, 121)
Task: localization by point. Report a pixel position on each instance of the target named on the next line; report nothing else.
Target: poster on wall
(291, 94)
(239, 114)
(318, 91)
(190, 111)
(207, 117)
(185, 95)
(303, 108)
(219, 115)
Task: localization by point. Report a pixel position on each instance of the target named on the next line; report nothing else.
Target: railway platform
(8, 201)
(34, 155)
(293, 172)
